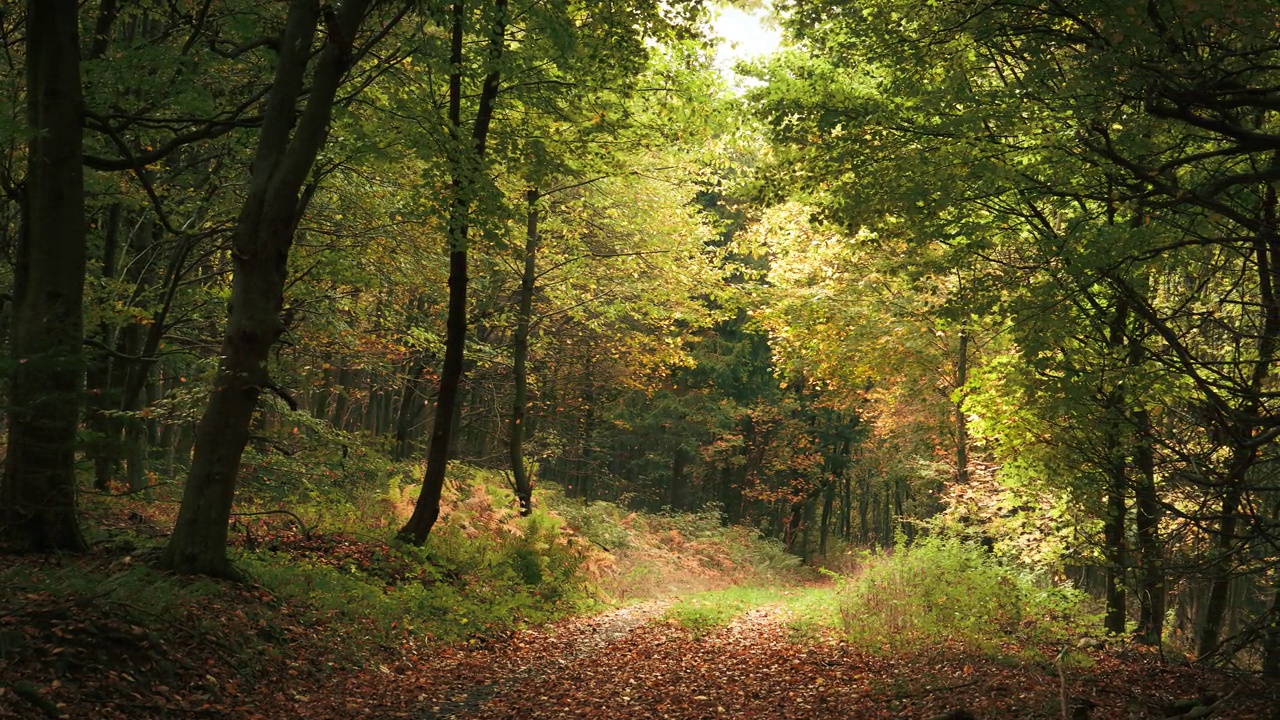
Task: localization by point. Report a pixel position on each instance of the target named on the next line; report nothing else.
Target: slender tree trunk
(795, 521)
(1271, 637)
(410, 411)
(465, 169)
(342, 403)
(320, 402)
(678, 497)
(1219, 590)
(287, 148)
(846, 507)
(828, 499)
(1114, 550)
(586, 468)
(864, 509)
(102, 372)
(1147, 505)
(962, 421)
(520, 356)
(1267, 255)
(38, 488)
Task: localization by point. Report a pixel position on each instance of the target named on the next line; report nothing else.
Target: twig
(1062, 686)
(284, 394)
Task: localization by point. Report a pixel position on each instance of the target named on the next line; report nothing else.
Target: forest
(518, 359)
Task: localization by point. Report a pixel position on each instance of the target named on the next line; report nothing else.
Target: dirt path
(549, 653)
(628, 663)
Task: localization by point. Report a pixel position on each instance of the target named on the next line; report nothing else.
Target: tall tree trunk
(1114, 549)
(342, 403)
(1147, 506)
(465, 168)
(1116, 469)
(287, 148)
(962, 421)
(828, 499)
(101, 375)
(864, 509)
(1266, 246)
(795, 522)
(678, 497)
(1219, 590)
(586, 468)
(520, 356)
(846, 507)
(38, 488)
(410, 411)
(1271, 637)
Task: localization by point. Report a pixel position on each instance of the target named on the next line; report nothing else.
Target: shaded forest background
(1000, 271)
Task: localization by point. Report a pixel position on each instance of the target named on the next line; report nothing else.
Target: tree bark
(1114, 550)
(38, 488)
(1216, 607)
(410, 410)
(464, 169)
(1271, 638)
(828, 500)
(962, 421)
(1151, 593)
(102, 372)
(287, 148)
(678, 497)
(520, 357)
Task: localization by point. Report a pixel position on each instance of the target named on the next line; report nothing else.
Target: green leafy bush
(947, 590)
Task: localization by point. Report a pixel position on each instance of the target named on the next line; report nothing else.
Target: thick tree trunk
(38, 488)
(520, 357)
(287, 149)
(465, 168)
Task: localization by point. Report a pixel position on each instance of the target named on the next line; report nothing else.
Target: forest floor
(631, 663)
(242, 654)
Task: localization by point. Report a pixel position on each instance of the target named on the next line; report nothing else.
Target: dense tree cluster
(997, 268)
(1066, 211)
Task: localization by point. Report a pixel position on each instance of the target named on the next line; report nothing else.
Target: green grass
(706, 611)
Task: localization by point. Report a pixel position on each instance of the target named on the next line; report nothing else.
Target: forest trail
(634, 663)
(540, 655)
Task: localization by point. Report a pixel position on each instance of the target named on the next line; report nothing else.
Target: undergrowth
(484, 571)
(662, 554)
(946, 591)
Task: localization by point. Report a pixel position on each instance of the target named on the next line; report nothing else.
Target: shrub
(947, 590)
